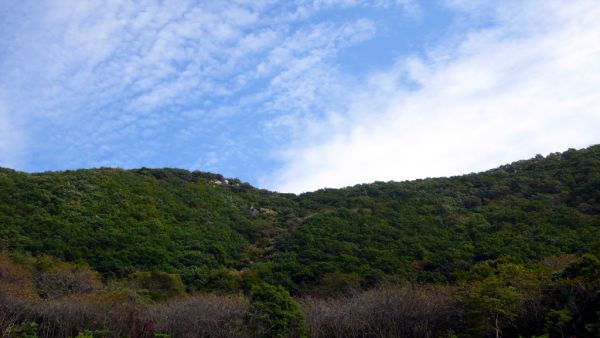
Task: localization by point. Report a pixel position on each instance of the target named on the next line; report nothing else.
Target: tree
(274, 313)
(492, 303)
(558, 320)
(158, 286)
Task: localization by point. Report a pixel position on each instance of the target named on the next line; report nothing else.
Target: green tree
(491, 305)
(28, 330)
(158, 286)
(93, 334)
(558, 320)
(274, 313)
(573, 297)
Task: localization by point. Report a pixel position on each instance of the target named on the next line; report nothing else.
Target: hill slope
(209, 229)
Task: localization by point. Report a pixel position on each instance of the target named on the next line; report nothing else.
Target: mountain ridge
(520, 242)
(216, 177)
(212, 224)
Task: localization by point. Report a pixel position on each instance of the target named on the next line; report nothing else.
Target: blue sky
(296, 95)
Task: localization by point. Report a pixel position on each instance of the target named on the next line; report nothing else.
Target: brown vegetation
(200, 316)
(393, 311)
(65, 300)
(49, 298)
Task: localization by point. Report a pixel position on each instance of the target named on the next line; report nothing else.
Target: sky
(297, 95)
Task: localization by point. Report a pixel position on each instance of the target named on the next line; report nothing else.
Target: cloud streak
(113, 83)
(526, 84)
(290, 92)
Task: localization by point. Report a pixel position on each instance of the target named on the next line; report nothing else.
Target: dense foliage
(516, 247)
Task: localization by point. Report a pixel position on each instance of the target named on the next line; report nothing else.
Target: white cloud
(11, 138)
(528, 84)
(95, 70)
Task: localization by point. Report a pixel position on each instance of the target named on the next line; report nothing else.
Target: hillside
(215, 233)
(179, 221)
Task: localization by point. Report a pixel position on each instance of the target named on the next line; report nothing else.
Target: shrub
(200, 316)
(274, 313)
(158, 286)
(388, 311)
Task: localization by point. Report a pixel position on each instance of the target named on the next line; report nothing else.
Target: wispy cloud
(11, 140)
(527, 83)
(114, 82)
(240, 87)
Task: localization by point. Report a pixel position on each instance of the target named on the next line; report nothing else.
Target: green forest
(510, 252)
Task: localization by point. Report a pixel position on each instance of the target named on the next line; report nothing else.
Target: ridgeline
(533, 218)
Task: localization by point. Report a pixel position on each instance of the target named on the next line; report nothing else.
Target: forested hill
(207, 228)
(514, 251)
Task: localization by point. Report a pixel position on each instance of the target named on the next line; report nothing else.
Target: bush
(274, 313)
(200, 316)
(390, 311)
(158, 286)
